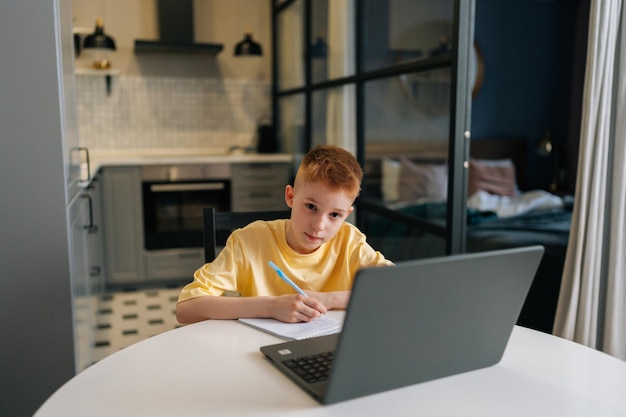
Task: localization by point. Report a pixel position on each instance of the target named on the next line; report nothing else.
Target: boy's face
(317, 212)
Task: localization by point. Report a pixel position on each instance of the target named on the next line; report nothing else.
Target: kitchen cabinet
(84, 312)
(86, 260)
(95, 236)
(251, 185)
(259, 186)
(123, 224)
(87, 281)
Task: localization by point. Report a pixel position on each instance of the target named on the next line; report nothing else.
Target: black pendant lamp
(248, 47)
(98, 39)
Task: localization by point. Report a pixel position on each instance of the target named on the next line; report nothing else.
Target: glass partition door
(387, 80)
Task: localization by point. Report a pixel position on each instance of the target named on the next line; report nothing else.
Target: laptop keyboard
(312, 368)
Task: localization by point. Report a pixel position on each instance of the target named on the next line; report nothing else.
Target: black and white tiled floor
(128, 316)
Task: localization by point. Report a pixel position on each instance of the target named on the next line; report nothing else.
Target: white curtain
(340, 110)
(592, 302)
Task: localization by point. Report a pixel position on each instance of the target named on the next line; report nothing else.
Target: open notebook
(296, 331)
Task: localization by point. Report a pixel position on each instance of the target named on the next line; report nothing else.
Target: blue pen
(285, 278)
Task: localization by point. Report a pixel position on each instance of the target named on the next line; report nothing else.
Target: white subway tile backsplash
(167, 112)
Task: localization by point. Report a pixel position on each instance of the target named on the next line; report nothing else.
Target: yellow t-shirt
(242, 266)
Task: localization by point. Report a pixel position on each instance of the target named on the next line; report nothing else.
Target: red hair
(333, 166)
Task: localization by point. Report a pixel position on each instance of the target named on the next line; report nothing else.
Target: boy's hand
(294, 308)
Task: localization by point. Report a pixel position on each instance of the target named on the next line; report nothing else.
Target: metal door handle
(80, 149)
(90, 228)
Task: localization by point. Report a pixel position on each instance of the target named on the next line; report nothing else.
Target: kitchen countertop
(104, 158)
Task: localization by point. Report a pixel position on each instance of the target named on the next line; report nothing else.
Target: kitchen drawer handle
(90, 228)
(168, 188)
(80, 149)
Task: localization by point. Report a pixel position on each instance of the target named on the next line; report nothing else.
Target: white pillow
(391, 180)
(495, 176)
(426, 180)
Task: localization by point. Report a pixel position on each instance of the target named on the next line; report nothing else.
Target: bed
(405, 212)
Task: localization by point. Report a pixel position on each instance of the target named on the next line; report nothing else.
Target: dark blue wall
(528, 47)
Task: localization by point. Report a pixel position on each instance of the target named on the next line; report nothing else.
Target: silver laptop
(414, 322)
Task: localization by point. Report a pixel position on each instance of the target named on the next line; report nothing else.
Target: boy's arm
(333, 300)
(288, 308)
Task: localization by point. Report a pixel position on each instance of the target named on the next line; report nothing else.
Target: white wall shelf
(93, 72)
(97, 72)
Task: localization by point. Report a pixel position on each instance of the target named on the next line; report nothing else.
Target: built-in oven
(173, 200)
(174, 197)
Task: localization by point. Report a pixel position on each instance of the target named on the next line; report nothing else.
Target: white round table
(214, 368)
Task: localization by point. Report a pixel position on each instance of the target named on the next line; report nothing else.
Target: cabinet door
(83, 302)
(95, 237)
(123, 224)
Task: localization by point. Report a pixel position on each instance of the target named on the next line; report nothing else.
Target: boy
(316, 248)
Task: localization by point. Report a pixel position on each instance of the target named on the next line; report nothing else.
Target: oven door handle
(204, 186)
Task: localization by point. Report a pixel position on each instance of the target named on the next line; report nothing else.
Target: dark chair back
(219, 224)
